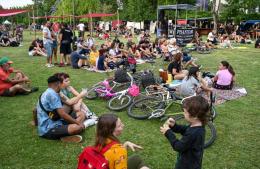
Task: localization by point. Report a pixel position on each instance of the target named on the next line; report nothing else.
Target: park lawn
(237, 145)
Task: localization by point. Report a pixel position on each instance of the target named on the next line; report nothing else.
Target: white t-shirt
(46, 30)
(81, 26)
(210, 36)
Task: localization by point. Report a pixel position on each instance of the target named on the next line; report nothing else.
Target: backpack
(121, 76)
(91, 158)
(147, 79)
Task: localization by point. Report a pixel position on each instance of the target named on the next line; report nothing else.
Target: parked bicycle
(156, 107)
(117, 100)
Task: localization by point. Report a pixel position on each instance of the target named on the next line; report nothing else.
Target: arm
(179, 145)
(66, 117)
(73, 100)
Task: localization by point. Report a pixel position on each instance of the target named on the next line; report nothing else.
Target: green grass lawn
(238, 132)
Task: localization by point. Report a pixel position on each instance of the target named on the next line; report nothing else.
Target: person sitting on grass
(53, 122)
(191, 146)
(72, 100)
(13, 86)
(225, 77)
(193, 82)
(77, 59)
(109, 127)
(175, 67)
(36, 48)
(257, 43)
(93, 56)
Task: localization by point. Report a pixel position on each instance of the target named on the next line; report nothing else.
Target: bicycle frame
(107, 91)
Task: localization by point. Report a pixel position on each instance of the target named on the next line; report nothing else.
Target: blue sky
(15, 3)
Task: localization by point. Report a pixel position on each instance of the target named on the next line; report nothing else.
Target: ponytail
(229, 67)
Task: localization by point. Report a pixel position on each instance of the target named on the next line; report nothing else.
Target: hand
(82, 126)
(26, 79)
(164, 128)
(199, 76)
(84, 92)
(132, 145)
(170, 122)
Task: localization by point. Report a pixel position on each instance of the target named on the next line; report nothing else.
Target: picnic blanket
(225, 95)
(96, 70)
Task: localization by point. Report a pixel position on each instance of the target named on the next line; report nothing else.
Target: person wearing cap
(59, 125)
(11, 86)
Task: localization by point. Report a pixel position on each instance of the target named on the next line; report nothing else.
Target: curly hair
(197, 107)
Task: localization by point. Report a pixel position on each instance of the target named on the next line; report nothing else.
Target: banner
(184, 35)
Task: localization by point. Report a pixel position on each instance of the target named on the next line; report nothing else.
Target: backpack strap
(107, 147)
(40, 103)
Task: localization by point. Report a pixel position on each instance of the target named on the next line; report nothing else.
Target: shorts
(31, 53)
(186, 58)
(65, 48)
(55, 44)
(57, 132)
(6, 93)
(60, 131)
(48, 48)
(222, 87)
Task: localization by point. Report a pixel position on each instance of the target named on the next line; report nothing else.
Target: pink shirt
(224, 77)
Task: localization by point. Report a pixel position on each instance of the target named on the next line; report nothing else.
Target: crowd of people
(14, 40)
(61, 113)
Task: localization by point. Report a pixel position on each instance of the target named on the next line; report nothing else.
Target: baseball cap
(5, 60)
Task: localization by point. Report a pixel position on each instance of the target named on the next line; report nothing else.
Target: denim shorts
(48, 48)
(186, 58)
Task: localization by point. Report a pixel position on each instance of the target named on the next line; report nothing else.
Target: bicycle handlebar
(131, 78)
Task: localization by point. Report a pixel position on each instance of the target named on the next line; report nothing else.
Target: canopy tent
(95, 15)
(6, 22)
(246, 25)
(11, 12)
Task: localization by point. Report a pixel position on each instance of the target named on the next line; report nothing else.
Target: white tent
(6, 22)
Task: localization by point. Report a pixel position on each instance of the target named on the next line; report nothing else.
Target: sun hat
(5, 60)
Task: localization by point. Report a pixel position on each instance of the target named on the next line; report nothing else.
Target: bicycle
(117, 100)
(155, 107)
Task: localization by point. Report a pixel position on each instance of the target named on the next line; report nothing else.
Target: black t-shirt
(190, 147)
(101, 65)
(66, 35)
(174, 65)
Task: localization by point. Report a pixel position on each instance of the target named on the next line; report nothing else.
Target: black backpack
(147, 79)
(121, 76)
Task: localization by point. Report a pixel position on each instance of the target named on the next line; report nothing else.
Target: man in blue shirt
(64, 124)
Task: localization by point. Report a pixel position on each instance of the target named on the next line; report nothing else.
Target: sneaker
(71, 139)
(34, 89)
(199, 66)
(47, 64)
(89, 122)
(61, 65)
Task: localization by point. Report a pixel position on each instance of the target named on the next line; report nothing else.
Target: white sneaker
(89, 122)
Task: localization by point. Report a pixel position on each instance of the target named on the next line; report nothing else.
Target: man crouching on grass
(53, 122)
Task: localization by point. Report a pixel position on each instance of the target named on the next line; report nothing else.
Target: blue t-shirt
(50, 101)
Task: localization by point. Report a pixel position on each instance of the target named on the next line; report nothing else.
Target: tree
(215, 13)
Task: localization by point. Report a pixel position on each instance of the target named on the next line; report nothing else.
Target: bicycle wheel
(92, 94)
(141, 109)
(119, 102)
(213, 112)
(210, 135)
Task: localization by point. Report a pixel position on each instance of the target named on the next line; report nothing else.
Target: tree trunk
(215, 12)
